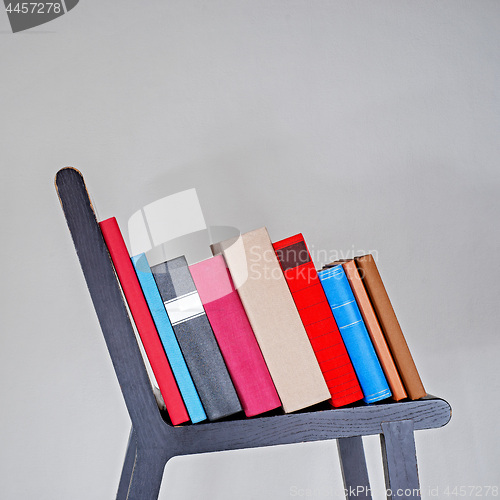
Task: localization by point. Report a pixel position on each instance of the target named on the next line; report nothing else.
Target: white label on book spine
(183, 308)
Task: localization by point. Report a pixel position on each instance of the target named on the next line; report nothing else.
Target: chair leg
(147, 475)
(400, 460)
(128, 467)
(354, 471)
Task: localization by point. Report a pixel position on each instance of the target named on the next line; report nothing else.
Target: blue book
(168, 339)
(354, 334)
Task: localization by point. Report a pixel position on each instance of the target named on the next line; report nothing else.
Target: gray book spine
(196, 338)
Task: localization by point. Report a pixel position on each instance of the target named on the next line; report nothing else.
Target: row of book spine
(256, 327)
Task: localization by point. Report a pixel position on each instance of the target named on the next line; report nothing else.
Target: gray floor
(366, 126)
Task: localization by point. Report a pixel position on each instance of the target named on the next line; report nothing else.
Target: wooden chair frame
(153, 440)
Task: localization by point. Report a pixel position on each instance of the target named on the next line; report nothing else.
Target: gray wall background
(365, 125)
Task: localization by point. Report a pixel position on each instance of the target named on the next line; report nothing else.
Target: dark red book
(143, 321)
(318, 320)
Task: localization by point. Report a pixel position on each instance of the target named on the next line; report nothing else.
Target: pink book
(235, 336)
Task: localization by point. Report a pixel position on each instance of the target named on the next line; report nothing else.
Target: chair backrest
(107, 299)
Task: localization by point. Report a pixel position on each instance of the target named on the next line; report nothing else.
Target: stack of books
(256, 328)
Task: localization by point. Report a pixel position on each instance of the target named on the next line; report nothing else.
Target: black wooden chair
(153, 440)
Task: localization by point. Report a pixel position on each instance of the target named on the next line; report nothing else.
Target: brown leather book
(373, 327)
(390, 326)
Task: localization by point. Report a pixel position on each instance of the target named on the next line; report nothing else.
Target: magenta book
(235, 337)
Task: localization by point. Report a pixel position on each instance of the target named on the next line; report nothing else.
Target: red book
(143, 321)
(318, 320)
(235, 336)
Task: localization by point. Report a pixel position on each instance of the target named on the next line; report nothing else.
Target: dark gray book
(196, 338)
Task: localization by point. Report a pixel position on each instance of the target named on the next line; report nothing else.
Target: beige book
(274, 318)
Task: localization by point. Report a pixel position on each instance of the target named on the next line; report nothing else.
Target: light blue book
(354, 334)
(168, 339)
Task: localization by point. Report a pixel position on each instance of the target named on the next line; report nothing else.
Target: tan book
(274, 318)
(390, 326)
(373, 327)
